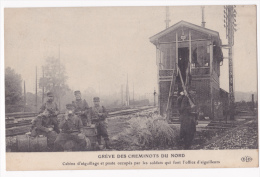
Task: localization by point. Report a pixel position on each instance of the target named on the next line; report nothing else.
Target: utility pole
(24, 101)
(167, 20)
(122, 95)
(133, 95)
(253, 103)
(229, 24)
(36, 106)
(127, 92)
(154, 93)
(59, 78)
(43, 84)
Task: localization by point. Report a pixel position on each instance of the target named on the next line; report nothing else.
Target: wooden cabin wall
(164, 93)
(201, 81)
(168, 56)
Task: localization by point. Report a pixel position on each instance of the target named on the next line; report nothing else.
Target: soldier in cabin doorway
(81, 109)
(98, 116)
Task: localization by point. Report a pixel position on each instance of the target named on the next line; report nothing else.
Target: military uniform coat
(187, 119)
(51, 107)
(100, 121)
(40, 126)
(72, 124)
(70, 130)
(82, 110)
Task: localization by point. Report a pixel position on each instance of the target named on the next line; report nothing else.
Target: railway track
(222, 131)
(19, 123)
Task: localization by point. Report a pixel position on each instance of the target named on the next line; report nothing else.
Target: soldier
(51, 106)
(81, 108)
(43, 124)
(187, 118)
(71, 129)
(98, 116)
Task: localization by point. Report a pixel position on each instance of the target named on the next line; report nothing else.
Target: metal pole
(59, 78)
(230, 55)
(24, 101)
(189, 52)
(176, 50)
(36, 93)
(154, 93)
(133, 95)
(122, 94)
(43, 85)
(253, 102)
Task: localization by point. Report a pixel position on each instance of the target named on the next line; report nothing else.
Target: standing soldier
(98, 116)
(71, 129)
(43, 124)
(187, 118)
(81, 108)
(51, 106)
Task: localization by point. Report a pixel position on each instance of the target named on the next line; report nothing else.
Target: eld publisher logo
(246, 159)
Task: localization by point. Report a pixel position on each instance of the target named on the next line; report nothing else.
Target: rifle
(185, 90)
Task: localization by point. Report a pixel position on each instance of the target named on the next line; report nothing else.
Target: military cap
(96, 99)
(50, 94)
(77, 92)
(70, 106)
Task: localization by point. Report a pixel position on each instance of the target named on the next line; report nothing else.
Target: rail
(20, 126)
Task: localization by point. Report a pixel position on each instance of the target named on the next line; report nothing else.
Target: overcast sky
(100, 45)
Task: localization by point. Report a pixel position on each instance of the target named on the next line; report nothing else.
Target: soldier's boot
(100, 145)
(107, 144)
(99, 140)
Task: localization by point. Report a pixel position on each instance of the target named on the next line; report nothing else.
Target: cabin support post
(189, 51)
(211, 80)
(176, 50)
(158, 62)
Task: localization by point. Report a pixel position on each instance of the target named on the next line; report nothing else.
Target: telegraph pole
(133, 95)
(127, 93)
(43, 85)
(154, 93)
(59, 78)
(122, 95)
(229, 24)
(36, 93)
(24, 101)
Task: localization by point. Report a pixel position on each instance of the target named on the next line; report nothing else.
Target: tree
(13, 91)
(54, 77)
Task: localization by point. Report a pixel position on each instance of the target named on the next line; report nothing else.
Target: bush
(146, 133)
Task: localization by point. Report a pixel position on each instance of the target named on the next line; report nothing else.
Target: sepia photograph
(143, 87)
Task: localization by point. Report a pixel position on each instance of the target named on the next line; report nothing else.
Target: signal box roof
(198, 32)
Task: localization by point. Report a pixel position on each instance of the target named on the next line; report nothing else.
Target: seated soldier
(44, 124)
(71, 128)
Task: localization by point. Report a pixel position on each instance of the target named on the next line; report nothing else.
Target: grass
(145, 133)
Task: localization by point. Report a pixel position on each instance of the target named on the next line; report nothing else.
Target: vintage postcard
(162, 87)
